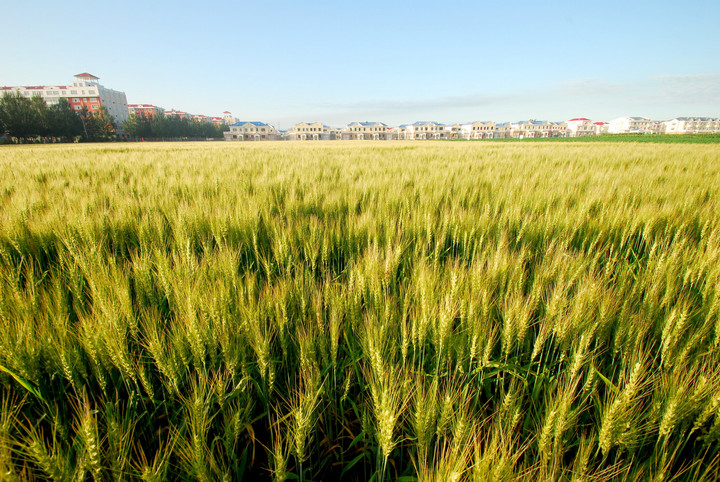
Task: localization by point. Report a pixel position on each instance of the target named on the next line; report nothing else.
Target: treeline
(170, 127)
(24, 119)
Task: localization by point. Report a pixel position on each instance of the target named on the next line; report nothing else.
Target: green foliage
(710, 138)
(170, 127)
(395, 311)
(30, 119)
(19, 116)
(99, 126)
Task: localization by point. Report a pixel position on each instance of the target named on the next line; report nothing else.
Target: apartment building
(312, 131)
(691, 125)
(228, 118)
(580, 127)
(84, 91)
(177, 113)
(203, 119)
(251, 131)
(633, 125)
(365, 131)
(145, 110)
(478, 130)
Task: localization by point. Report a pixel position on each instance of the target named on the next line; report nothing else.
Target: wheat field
(360, 311)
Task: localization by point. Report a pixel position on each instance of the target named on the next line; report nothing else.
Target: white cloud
(659, 97)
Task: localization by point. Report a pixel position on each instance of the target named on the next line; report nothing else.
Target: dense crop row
(440, 311)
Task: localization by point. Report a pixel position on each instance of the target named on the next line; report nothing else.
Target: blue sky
(397, 62)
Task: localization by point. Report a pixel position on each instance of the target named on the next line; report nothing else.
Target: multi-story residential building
(478, 130)
(218, 120)
(251, 131)
(534, 128)
(365, 131)
(177, 113)
(312, 131)
(601, 128)
(580, 127)
(423, 130)
(228, 118)
(145, 110)
(393, 133)
(85, 91)
(557, 129)
(633, 125)
(334, 133)
(203, 119)
(453, 131)
(503, 130)
(691, 125)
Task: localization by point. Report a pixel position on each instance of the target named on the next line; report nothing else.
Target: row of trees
(170, 127)
(24, 119)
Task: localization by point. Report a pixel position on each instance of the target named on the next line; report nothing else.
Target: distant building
(251, 131)
(203, 119)
(145, 110)
(423, 130)
(478, 130)
(85, 91)
(601, 128)
(633, 125)
(311, 131)
(691, 125)
(534, 128)
(365, 131)
(177, 113)
(503, 130)
(453, 131)
(580, 127)
(228, 118)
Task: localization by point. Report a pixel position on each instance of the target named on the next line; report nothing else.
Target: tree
(18, 117)
(100, 125)
(138, 125)
(65, 122)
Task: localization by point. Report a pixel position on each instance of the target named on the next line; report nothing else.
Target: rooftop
(255, 123)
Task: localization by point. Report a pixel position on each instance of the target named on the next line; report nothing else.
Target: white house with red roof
(601, 128)
(580, 127)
